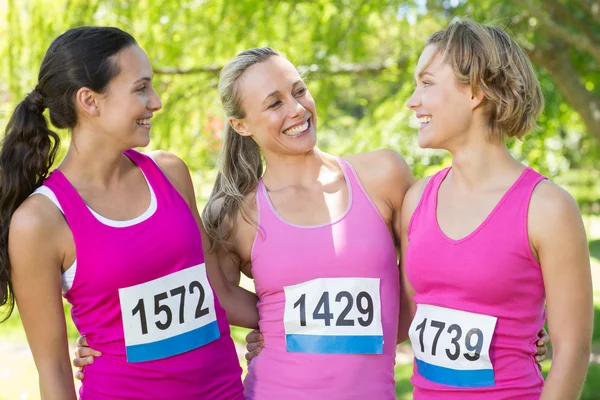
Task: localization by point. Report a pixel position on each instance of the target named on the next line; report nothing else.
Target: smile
(297, 129)
(424, 120)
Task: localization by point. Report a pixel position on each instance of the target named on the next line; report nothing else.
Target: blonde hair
(240, 163)
(486, 58)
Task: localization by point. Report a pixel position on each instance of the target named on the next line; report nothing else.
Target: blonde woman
(490, 245)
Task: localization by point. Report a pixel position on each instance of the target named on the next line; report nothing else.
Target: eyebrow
(276, 92)
(422, 75)
(143, 79)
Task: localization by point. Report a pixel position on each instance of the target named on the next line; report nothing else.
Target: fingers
(79, 374)
(251, 347)
(539, 359)
(81, 362)
(541, 351)
(84, 356)
(254, 336)
(81, 342)
(544, 337)
(83, 352)
(251, 354)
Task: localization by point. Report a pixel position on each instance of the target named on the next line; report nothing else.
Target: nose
(297, 109)
(414, 100)
(154, 102)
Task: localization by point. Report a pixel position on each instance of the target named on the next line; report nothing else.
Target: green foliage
(358, 57)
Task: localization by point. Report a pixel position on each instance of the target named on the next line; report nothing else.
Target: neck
(94, 162)
(477, 161)
(298, 170)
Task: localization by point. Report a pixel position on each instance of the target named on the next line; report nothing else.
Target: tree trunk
(555, 58)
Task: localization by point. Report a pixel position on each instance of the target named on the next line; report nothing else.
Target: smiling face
(445, 108)
(279, 111)
(130, 100)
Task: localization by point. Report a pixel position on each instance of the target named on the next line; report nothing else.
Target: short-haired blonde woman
(489, 242)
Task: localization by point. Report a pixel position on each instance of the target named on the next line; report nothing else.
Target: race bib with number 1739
(452, 347)
(334, 316)
(169, 315)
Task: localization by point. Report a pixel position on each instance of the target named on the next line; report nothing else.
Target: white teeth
(297, 129)
(424, 120)
(145, 121)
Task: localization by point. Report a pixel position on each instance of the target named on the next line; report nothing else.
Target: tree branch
(342, 69)
(564, 16)
(210, 69)
(576, 40)
(592, 7)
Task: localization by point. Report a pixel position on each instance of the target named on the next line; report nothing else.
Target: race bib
(334, 316)
(452, 347)
(169, 315)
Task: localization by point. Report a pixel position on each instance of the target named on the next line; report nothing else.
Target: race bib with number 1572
(169, 315)
(334, 316)
(452, 347)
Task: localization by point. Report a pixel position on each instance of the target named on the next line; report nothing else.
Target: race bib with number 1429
(334, 316)
(169, 315)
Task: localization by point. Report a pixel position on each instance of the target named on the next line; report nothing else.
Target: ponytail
(240, 168)
(240, 162)
(27, 153)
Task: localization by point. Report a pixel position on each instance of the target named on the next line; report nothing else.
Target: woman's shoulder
(384, 166)
(39, 226)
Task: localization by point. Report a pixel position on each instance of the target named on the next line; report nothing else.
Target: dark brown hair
(80, 57)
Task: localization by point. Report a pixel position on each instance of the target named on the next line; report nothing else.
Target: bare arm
(401, 179)
(558, 236)
(36, 276)
(407, 310)
(386, 177)
(239, 303)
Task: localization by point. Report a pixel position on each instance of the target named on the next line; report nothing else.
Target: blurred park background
(358, 57)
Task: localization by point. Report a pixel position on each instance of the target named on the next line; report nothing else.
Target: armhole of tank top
(67, 277)
(525, 223)
(259, 231)
(154, 164)
(350, 170)
(426, 188)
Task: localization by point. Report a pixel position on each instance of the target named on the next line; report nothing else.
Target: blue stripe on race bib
(454, 377)
(174, 345)
(326, 344)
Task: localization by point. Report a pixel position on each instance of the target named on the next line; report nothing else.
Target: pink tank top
(142, 298)
(328, 304)
(480, 301)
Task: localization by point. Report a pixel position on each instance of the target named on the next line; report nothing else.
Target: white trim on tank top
(68, 277)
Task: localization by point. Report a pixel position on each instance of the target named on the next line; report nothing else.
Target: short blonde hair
(486, 58)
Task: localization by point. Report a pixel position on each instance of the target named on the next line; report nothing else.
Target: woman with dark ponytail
(118, 231)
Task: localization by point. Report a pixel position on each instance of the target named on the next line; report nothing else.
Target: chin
(429, 141)
(142, 142)
(425, 143)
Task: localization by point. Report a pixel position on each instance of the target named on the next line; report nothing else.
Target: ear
(86, 100)
(239, 126)
(477, 98)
